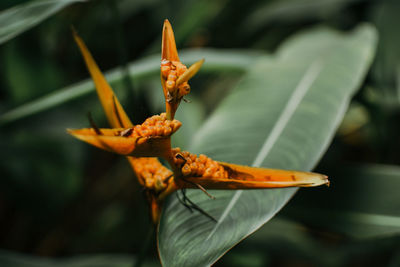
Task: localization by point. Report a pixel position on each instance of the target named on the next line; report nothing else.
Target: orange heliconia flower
(143, 144)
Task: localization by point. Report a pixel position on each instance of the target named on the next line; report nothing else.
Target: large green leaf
(217, 60)
(282, 114)
(192, 118)
(20, 18)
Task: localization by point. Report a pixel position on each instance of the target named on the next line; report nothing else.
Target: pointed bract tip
(77, 38)
(323, 180)
(327, 183)
(73, 30)
(168, 46)
(75, 34)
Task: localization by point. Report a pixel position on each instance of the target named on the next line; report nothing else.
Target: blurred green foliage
(61, 198)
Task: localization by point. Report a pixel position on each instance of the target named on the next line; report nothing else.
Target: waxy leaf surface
(283, 114)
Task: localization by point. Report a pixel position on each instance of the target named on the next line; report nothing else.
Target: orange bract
(174, 74)
(115, 113)
(202, 170)
(150, 139)
(143, 143)
(117, 118)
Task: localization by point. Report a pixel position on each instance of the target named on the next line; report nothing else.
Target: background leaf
(293, 10)
(296, 242)
(12, 259)
(233, 60)
(283, 114)
(386, 69)
(192, 117)
(355, 213)
(20, 18)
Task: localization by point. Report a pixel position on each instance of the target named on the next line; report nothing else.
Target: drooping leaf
(20, 18)
(282, 114)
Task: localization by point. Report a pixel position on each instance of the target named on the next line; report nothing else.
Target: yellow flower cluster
(152, 173)
(156, 125)
(198, 166)
(171, 70)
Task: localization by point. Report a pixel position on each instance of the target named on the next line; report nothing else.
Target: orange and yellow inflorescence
(170, 71)
(143, 143)
(198, 166)
(154, 175)
(155, 126)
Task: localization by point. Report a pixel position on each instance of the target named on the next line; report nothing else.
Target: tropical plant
(276, 100)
